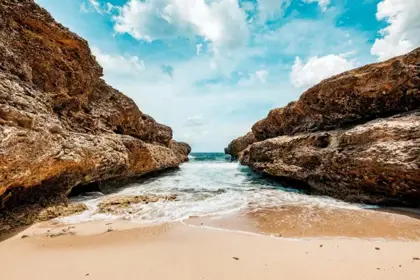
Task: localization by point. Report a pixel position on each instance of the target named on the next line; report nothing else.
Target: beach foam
(207, 185)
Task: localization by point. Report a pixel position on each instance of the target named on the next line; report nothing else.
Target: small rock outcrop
(122, 204)
(355, 136)
(35, 213)
(61, 125)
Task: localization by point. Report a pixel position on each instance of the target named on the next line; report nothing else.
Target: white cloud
(249, 6)
(194, 90)
(261, 75)
(308, 37)
(269, 9)
(258, 77)
(110, 8)
(198, 48)
(403, 31)
(199, 114)
(322, 3)
(101, 9)
(83, 8)
(307, 74)
(95, 4)
(117, 64)
(195, 121)
(221, 22)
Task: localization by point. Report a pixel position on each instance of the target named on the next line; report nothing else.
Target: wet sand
(307, 222)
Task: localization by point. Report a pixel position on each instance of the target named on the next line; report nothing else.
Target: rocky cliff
(355, 136)
(61, 125)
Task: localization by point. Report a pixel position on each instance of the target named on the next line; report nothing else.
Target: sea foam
(209, 184)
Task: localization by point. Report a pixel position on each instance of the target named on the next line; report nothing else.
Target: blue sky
(212, 68)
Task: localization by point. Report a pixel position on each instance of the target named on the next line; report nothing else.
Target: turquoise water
(209, 184)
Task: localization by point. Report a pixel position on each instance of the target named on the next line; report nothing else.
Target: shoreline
(290, 222)
(298, 222)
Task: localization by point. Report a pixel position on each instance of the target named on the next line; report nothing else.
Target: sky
(211, 68)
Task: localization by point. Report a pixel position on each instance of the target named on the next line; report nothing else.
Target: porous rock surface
(61, 125)
(355, 136)
(240, 144)
(122, 204)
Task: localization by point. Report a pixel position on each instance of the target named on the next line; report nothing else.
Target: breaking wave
(210, 184)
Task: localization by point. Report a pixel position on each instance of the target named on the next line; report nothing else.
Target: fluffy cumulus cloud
(316, 69)
(223, 22)
(402, 33)
(118, 64)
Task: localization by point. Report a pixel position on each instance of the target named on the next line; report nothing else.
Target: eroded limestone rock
(122, 204)
(355, 136)
(61, 125)
(35, 214)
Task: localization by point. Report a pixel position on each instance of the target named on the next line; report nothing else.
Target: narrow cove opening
(210, 184)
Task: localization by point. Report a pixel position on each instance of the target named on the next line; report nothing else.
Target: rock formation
(123, 204)
(61, 125)
(355, 136)
(240, 144)
(35, 213)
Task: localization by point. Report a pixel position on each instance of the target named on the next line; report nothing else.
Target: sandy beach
(309, 222)
(122, 250)
(209, 140)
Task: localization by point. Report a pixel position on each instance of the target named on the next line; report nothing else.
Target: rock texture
(240, 144)
(122, 204)
(61, 125)
(35, 214)
(373, 91)
(355, 136)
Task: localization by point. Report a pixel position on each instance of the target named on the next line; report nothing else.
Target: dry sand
(178, 251)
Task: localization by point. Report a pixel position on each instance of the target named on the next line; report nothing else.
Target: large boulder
(377, 162)
(356, 96)
(355, 136)
(61, 125)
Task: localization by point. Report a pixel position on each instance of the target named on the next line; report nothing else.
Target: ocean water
(209, 184)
